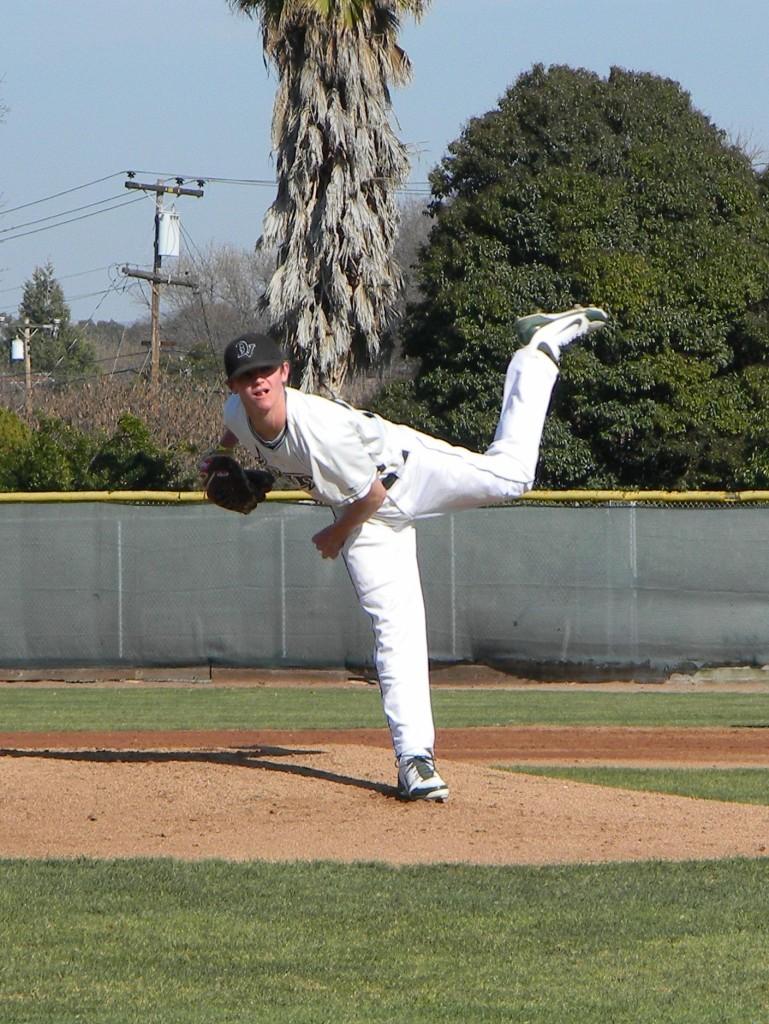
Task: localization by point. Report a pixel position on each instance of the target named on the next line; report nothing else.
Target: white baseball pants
(381, 555)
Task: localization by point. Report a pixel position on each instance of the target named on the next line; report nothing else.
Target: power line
(72, 220)
(191, 243)
(53, 216)
(262, 182)
(218, 179)
(64, 277)
(76, 338)
(85, 379)
(117, 285)
(72, 298)
(90, 295)
(140, 354)
(66, 191)
(112, 288)
(207, 178)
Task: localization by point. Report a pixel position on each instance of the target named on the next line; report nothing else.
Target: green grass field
(138, 941)
(205, 707)
(164, 942)
(735, 785)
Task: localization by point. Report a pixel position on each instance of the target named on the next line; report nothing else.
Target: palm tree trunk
(339, 163)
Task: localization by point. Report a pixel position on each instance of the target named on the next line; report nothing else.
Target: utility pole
(27, 368)
(29, 330)
(156, 278)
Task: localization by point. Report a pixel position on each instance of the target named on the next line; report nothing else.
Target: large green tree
(618, 192)
(339, 162)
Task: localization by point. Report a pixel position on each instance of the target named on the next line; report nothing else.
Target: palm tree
(334, 219)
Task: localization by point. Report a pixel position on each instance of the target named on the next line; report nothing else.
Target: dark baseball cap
(251, 352)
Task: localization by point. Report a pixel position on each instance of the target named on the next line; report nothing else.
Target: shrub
(14, 437)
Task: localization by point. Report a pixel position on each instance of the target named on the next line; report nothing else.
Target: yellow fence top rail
(585, 497)
(131, 497)
(729, 497)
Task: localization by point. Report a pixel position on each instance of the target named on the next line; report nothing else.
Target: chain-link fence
(578, 584)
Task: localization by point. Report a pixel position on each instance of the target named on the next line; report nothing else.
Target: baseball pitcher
(378, 478)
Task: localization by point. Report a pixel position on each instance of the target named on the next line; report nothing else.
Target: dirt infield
(311, 795)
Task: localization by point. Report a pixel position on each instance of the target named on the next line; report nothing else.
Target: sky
(178, 88)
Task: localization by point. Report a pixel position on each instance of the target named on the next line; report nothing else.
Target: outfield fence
(557, 584)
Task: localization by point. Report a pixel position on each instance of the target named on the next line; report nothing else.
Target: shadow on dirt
(249, 757)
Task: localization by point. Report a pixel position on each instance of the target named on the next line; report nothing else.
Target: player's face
(262, 388)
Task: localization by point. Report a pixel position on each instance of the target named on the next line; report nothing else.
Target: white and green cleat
(418, 779)
(551, 332)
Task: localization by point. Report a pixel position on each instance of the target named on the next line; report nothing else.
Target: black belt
(389, 480)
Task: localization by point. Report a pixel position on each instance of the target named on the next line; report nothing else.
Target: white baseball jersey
(328, 448)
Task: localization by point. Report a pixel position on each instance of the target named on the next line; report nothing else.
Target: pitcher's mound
(337, 802)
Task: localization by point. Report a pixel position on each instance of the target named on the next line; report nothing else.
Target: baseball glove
(231, 486)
